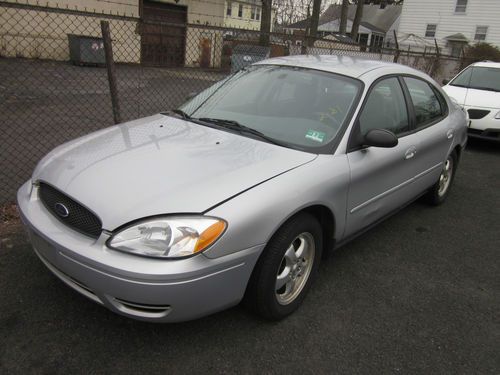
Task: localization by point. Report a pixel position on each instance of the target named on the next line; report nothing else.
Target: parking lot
(418, 294)
(46, 103)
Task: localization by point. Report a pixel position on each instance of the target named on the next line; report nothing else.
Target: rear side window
(428, 107)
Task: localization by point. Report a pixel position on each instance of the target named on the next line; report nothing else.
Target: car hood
(456, 93)
(473, 97)
(482, 98)
(161, 165)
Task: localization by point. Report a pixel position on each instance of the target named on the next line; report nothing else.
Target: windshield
(481, 78)
(295, 106)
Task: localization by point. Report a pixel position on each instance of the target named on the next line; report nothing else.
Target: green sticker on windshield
(315, 135)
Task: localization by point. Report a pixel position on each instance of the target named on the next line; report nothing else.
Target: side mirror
(446, 81)
(191, 95)
(380, 138)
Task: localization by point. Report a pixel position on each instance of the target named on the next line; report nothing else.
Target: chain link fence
(54, 85)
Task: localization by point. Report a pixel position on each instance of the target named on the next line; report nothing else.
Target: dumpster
(244, 55)
(86, 50)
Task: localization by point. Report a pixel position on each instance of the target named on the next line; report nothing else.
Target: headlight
(169, 237)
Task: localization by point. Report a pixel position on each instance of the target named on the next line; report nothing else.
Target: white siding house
(453, 23)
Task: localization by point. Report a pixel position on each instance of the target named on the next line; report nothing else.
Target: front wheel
(440, 190)
(286, 268)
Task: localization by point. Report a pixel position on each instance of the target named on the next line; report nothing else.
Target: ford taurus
(236, 194)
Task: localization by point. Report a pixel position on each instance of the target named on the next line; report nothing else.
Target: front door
(381, 178)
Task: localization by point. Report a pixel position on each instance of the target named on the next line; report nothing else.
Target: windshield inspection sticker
(315, 136)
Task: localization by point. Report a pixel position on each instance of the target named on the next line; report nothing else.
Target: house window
(257, 15)
(456, 49)
(461, 6)
(253, 12)
(240, 10)
(229, 9)
(363, 41)
(481, 32)
(376, 43)
(430, 32)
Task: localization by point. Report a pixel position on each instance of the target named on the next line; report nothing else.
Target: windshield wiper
(179, 112)
(235, 125)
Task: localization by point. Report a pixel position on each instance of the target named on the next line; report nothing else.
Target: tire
(438, 193)
(283, 257)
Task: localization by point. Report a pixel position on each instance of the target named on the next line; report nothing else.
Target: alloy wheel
(295, 268)
(445, 178)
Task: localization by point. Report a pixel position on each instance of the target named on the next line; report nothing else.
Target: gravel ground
(418, 294)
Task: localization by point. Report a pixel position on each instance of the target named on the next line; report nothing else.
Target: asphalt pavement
(420, 293)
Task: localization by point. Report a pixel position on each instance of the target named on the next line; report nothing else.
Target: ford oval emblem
(61, 209)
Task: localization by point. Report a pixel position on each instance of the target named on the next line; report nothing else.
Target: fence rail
(54, 86)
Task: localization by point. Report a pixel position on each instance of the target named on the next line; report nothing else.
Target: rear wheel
(440, 190)
(286, 268)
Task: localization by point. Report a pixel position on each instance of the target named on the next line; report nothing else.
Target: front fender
(254, 216)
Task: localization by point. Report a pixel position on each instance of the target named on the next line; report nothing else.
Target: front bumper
(485, 127)
(138, 287)
(487, 134)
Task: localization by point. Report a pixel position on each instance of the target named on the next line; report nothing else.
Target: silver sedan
(236, 194)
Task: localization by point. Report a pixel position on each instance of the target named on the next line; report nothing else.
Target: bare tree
(357, 20)
(291, 11)
(378, 2)
(314, 21)
(265, 22)
(343, 16)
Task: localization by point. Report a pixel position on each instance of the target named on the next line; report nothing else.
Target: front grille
(477, 114)
(78, 217)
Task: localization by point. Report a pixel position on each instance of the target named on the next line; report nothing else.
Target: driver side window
(385, 108)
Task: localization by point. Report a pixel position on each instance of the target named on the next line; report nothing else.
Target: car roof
(345, 65)
(487, 64)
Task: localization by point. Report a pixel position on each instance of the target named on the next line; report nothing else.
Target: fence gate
(163, 34)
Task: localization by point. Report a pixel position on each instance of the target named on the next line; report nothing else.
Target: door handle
(410, 153)
(449, 134)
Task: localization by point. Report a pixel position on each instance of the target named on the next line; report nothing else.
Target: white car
(477, 90)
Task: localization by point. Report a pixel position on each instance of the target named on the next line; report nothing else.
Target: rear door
(434, 129)
(381, 178)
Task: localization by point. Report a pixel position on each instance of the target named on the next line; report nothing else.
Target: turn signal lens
(209, 235)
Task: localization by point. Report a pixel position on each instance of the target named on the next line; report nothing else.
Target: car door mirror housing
(380, 138)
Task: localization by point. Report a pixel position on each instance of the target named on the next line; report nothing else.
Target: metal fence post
(110, 65)
(435, 63)
(396, 55)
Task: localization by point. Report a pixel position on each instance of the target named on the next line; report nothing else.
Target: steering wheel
(323, 115)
